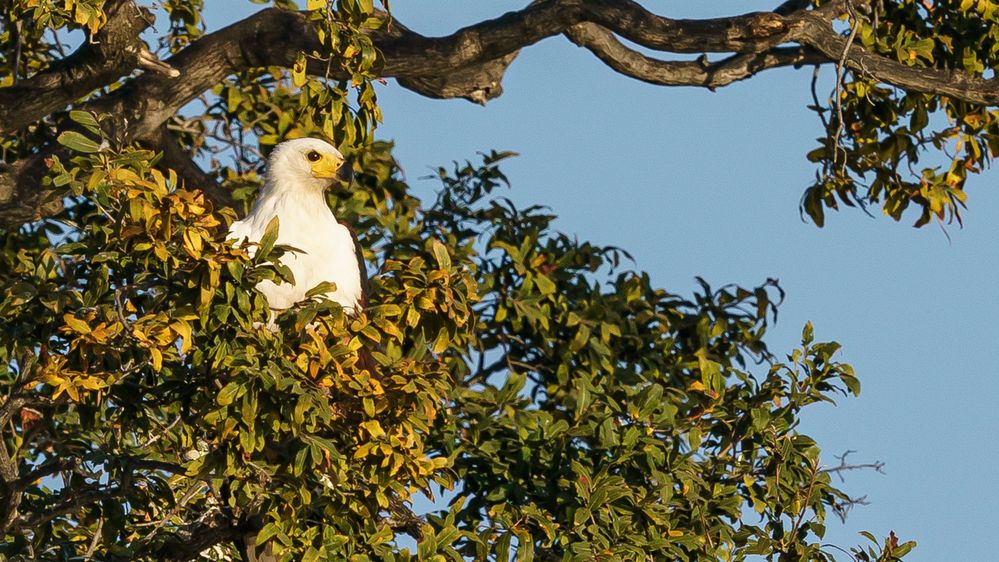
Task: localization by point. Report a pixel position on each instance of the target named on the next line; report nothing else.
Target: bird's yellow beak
(326, 167)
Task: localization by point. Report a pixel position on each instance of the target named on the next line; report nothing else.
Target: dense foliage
(580, 411)
(900, 147)
(552, 402)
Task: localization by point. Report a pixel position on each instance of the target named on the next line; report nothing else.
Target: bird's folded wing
(362, 267)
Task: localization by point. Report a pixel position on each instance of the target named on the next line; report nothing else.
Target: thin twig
(160, 433)
(95, 541)
(707, 530)
(158, 525)
(18, 43)
(838, 102)
(843, 466)
(815, 98)
(58, 43)
(808, 494)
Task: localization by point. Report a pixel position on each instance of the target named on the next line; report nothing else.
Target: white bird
(298, 173)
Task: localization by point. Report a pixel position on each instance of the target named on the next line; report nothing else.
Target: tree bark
(469, 63)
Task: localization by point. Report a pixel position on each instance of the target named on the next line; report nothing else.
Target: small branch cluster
(842, 508)
(844, 466)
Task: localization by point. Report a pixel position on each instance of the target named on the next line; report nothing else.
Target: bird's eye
(313, 156)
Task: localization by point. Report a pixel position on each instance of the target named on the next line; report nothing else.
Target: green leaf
(267, 241)
(249, 408)
(77, 142)
(807, 334)
(544, 284)
(904, 548)
(298, 465)
(525, 546)
(77, 325)
(86, 119)
(267, 532)
(441, 254)
(311, 555)
(228, 394)
(321, 289)
(582, 396)
(298, 70)
(442, 342)
(502, 548)
(373, 428)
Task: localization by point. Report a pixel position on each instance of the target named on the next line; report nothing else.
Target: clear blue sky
(700, 183)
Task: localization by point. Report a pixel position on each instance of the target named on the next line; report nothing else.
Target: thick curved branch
(401, 518)
(469, 63)
(752, 32)
(111, 53)
(791, 6)
(607, 48)
(189, 542)
(817, 32)
(22, 197)
(275, 37)
(270, 37)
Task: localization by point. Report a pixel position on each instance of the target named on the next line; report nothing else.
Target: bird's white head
(307, 163)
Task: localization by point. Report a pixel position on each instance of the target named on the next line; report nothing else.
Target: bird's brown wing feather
(365, 360)
(362, 267)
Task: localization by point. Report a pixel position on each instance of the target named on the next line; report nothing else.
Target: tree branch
(791, 6)
(71, 504)
(47, 468)
(629, 62)
(468, 63)
(815, 30)
(843, 466)
(11, 487)
(104, 58)
(188, 542)
(22, 198)
(401, 518)
(275, 37)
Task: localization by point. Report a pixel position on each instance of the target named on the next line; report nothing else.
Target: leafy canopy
(902, 148)
(558, 405)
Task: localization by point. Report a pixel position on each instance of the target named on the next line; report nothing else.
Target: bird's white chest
(324, 251)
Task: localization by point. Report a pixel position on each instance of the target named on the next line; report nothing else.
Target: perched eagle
(298, 173)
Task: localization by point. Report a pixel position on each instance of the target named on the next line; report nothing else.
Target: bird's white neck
(278, 200)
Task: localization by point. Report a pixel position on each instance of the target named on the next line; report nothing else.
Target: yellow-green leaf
(75, 324)
(441, 255)
(298, 70)
(78, 142)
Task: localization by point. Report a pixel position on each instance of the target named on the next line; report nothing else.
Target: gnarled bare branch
(22, 197)
(815, 30)
(607, 48)
(468, 63)
(111, 53)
